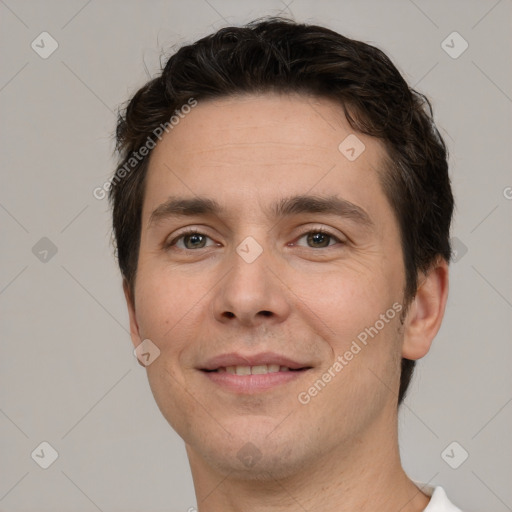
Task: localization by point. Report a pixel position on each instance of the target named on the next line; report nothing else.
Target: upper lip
(235, 359)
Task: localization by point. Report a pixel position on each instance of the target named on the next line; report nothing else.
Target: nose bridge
(250, 266)
(250, 290)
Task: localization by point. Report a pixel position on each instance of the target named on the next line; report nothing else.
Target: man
(281, 211)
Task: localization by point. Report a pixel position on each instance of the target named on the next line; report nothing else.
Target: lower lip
(253, 383)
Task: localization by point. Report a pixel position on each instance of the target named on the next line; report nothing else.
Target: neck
(364, 474)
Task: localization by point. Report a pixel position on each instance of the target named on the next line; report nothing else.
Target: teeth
(254, 370)
(258, 370)
(243, 370)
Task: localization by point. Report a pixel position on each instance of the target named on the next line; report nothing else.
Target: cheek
(343, 302)
(167, 304)
(168, 312)
(171, 394)
(356, 311)
(173, 311)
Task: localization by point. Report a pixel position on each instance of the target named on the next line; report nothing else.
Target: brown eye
(194, 241)
(318, 239)
(190, 241)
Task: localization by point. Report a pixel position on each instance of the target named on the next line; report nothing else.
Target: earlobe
(130, 303)
(426, 311)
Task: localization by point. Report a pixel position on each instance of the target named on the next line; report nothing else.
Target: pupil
(195, 241)
(319, 239)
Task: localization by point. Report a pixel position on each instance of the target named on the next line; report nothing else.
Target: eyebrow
(286, 207)
(331, 205)
(184, 207)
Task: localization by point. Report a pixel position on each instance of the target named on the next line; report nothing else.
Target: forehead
(308, 122)
(242, 146)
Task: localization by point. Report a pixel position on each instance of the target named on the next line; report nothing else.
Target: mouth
(261, 369)
(249, 374)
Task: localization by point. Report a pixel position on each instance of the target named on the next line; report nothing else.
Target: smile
(243, 379)
(260, 369)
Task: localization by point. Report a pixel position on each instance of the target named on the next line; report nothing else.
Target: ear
(130, 303)
(426, 311)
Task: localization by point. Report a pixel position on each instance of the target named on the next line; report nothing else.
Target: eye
(191, 240)
(319, 238)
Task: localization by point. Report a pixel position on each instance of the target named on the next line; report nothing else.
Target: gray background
(68, 375)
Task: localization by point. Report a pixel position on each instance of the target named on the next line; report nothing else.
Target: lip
(236, 359)
(250, 384)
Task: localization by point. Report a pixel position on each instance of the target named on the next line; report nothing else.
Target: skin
(308, 301)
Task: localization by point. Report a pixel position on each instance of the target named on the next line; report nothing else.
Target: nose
(251, 293)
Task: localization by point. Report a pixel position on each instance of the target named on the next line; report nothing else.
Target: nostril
(230, 314)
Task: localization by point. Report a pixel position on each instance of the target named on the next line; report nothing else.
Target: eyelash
(322, 231)
(183, 234)
(193, 231)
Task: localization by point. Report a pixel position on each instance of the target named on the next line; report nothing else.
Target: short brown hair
(279, 55)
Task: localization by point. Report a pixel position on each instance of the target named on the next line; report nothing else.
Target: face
(271, 278)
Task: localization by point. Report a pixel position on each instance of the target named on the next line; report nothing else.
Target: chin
(252, 463)
(260, 454)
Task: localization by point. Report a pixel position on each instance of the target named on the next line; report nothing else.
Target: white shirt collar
(439, 502)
